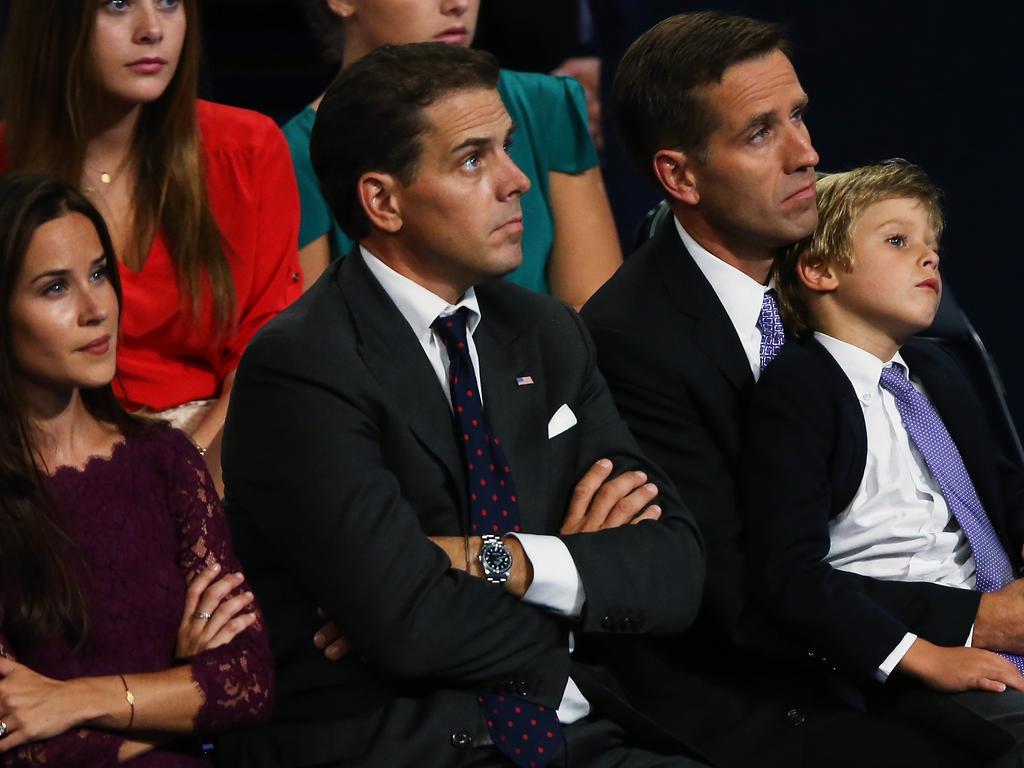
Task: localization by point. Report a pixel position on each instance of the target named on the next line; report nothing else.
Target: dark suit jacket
(341, 457)
(682, 381)
(805, 460)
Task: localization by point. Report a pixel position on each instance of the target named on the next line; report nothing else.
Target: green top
(552, 135)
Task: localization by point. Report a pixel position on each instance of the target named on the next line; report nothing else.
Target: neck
(111, 135)
(753, 260)
(860, 333)
(61, 427)
(415, 268)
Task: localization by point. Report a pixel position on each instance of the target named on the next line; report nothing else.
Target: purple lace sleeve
(237, 678)
(78, 747)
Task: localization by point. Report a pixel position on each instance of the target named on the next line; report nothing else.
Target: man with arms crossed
(432, 458)
(712, 109)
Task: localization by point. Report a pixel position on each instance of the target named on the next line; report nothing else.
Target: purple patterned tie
(769, 322)
(993, 569)
(527, 733)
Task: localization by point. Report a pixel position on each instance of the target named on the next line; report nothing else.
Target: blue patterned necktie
(527, 733)
(769, 322)
(993, 569)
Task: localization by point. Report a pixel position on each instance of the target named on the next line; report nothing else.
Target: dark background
(936, 83)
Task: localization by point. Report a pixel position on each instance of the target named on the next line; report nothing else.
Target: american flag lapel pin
(523, 381)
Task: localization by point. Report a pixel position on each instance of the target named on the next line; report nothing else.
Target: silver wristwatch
(496, 558)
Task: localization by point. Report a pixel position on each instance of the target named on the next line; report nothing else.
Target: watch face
(496, 558)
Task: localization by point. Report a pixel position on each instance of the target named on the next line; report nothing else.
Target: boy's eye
(896, 240)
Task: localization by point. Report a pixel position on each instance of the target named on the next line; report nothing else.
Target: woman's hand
(34, 707)
(212, 618)
(959, 669)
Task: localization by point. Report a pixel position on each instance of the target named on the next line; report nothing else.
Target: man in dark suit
(711, 107)
(432, 459)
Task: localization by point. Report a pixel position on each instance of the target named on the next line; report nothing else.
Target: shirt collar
(861, 367)
(740, 294)
(419, 306)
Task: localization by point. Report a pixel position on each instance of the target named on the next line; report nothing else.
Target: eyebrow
(481, 143)
(49, 275)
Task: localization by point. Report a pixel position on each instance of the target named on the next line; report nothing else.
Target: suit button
(462, 740)
(811, 653)
(628, 623)
(607, 623)
(638, 622)
(795, 717)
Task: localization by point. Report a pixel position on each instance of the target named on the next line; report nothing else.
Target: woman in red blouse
(200, 198)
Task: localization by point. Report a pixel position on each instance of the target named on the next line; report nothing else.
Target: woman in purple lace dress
(125, 629)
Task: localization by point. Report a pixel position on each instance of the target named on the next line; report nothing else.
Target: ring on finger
(203, 615)
(4, 730)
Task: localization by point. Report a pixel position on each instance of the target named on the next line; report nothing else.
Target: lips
(98, 346)
(453, 36)
(804, 193)
(932, 283)
(515, 224)
(148, 65)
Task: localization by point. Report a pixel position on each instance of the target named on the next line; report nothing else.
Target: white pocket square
(563, 419)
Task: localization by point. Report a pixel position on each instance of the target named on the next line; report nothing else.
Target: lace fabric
(145, 521)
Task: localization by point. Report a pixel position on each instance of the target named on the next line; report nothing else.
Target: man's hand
(999, 625)
(598, 503)
(329, 639)
(959, 669)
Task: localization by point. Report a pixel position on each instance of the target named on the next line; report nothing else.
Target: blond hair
(842, 200)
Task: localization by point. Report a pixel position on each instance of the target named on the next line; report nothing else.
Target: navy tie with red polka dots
(527, 733)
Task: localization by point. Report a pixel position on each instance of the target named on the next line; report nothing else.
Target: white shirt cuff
(886, 667)
(970, 638)
(556, 582)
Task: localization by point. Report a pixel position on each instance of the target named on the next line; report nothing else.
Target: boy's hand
(959, 669)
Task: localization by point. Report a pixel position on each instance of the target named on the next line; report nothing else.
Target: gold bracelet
(130, 698)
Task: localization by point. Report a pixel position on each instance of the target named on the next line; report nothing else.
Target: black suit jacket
(341, 457)
(805, 460)
(682, 381)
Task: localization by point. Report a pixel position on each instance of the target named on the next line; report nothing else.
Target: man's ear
(379, 201)
(817, 276)
(342, 8)
(674, 169)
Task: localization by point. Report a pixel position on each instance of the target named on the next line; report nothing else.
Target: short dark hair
(371, 118)
(656, 97)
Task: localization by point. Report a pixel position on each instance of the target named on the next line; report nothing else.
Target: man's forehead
(468, 114)
(755, 86)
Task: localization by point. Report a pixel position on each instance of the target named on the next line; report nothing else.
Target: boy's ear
(380, 201)
(674, 169)
(819, 277)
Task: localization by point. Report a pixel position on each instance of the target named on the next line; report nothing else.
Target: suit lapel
(517, 414)
(691, 293)
(395, 358)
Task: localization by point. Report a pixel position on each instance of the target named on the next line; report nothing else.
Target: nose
(454, 7)
(930, 258)
(93, 308)
(801, 155)
(512, 182)
(148, 29)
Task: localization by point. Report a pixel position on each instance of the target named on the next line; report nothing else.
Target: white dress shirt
(898, 525)
(740, 294)
(556, 584)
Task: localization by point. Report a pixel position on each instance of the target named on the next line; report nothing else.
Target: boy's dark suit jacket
(735, 684)
(803, 464)
(341, 457)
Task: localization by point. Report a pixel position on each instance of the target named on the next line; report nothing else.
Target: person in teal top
(570, 246)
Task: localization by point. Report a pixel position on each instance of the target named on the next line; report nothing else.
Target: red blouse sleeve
(78, 747)
(237, 678)
(276, 276)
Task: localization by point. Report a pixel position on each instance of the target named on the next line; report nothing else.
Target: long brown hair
(48, 81)
(39, 595)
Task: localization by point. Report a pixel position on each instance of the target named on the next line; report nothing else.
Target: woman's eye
(56, 288)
